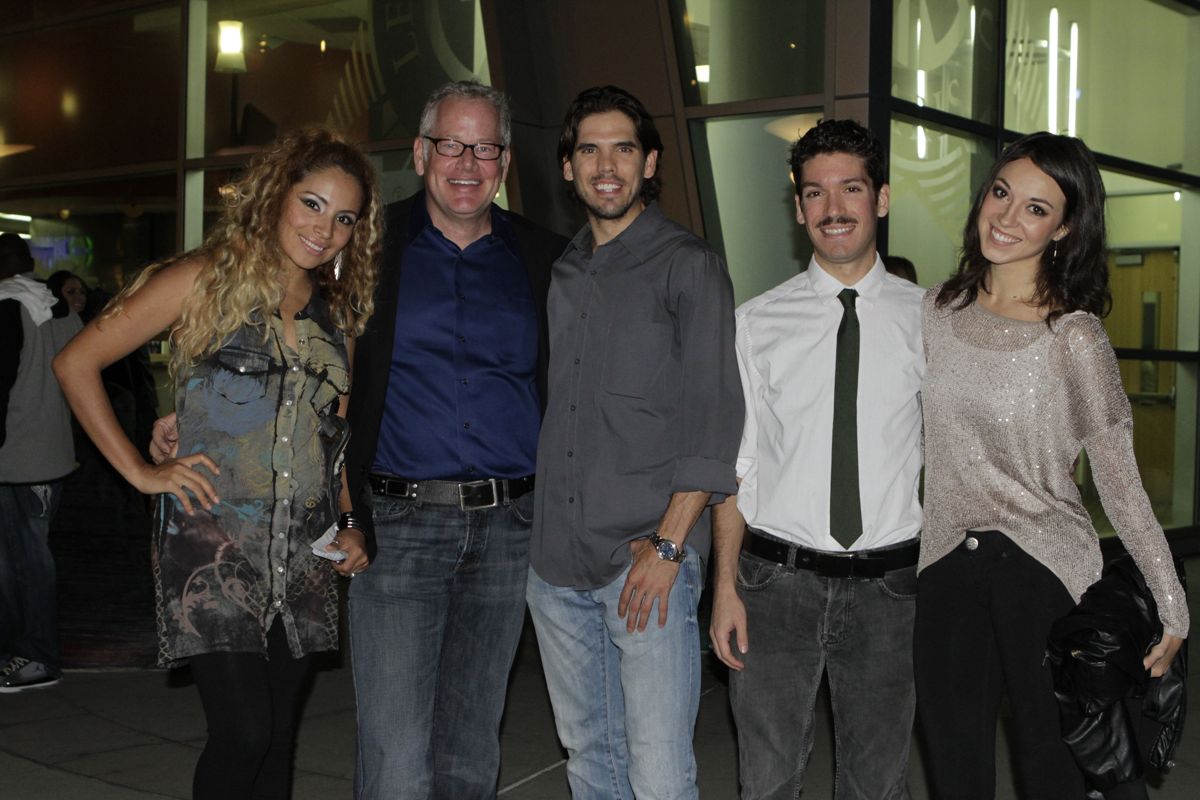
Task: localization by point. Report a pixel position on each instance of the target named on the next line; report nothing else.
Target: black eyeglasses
(453, 148)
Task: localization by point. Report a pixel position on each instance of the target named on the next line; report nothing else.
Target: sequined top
(1008, 405)
(267, 415)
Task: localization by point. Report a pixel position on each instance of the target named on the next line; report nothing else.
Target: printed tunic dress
(266, 414)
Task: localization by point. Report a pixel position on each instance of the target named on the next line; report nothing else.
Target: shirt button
(279, 569)
(295, 368)
(287, 402)
(280, 535)
(467, 425)
(577, 361)
(583, 315)
(285, 473)
(462, 338)
(570, 499)
(570, 454)
(464, 381)
(972, 543)
(572, 406)
(283, 439)
(593, 272)
(287, 502)
(278, 604)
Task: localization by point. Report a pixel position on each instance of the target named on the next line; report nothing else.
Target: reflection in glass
(1113, 74)
(364, 68)
(747, 196)
(90, 96)
(944, 55)
(733, 50)
(934, 174)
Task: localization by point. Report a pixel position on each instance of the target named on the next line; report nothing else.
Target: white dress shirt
(786, 348)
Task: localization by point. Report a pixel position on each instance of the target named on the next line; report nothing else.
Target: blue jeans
(859, 632)
(596, 671)
(28, 592)
(434, 627)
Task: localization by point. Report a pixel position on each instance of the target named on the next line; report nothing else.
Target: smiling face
(75, 294)
(459, 191)
(838, 207)
(607, 168)
(1021, 215)
(318, 217)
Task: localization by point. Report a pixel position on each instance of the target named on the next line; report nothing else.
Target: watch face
(667, 550)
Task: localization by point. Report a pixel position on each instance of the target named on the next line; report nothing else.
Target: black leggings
(250, 706)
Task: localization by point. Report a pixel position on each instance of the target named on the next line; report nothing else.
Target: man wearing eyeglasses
(445, 410)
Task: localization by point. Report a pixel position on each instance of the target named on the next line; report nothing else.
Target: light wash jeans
(28, 588)
(859, 633)
(434, 627)
(624, 703)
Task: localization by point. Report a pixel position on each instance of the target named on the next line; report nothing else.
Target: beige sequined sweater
(1008, 405)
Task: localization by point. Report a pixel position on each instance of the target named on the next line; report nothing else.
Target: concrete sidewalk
(133, 734)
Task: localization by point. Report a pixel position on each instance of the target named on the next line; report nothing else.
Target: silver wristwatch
(667, 550)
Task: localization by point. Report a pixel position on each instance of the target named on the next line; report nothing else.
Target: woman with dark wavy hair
(261, 316)
(1020, 378)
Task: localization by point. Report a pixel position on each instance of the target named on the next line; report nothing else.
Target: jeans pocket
(755, 574)
(391, 509)
(522, 508)
(900, 584)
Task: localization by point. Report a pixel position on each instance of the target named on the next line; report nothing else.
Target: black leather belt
(469, 495)
(859, 564)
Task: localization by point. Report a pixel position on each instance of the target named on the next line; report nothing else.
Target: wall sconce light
(230, 57)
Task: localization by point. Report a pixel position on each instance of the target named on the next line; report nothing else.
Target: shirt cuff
(698, 474)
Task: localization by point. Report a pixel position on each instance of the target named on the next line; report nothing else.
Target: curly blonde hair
(241, 282)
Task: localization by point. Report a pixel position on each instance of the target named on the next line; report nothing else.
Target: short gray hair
(467, 90)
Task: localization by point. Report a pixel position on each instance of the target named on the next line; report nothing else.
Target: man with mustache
(816, 555)
(639, 438)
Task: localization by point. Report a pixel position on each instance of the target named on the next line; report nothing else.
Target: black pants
(982, 620)
(250, 706)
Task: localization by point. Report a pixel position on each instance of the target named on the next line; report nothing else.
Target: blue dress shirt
(462, 398)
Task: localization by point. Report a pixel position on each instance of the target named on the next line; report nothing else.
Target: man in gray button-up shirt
(640, 437)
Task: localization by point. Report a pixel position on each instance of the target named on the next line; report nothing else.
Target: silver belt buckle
(462, 498)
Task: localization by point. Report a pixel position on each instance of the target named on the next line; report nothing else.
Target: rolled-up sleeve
(711, 407)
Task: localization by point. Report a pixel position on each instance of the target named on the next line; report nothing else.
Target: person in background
(1020, 378)
(261, 316)
(36, 454)
(900, 267)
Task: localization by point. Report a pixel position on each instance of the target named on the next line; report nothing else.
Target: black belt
(468, 495)
(859, 564)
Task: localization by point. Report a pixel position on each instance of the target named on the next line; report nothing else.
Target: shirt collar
(827, 286)
(419, 220)
(640, 238)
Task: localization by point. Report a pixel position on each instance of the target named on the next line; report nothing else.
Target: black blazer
(373, 350)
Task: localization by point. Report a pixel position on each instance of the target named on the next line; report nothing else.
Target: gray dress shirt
(644, 397)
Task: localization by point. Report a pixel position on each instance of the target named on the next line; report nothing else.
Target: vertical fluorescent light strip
(971, 39)
(1052, 74)
(921, 141)
(1073, 79)
(920, 87)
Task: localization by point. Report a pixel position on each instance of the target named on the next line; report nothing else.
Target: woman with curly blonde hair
(261, 317)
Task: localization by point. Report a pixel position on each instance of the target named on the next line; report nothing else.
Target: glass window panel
(934, 173)
(105, 231)
(364, 68)
(732, 50)
(1114, 74)
(944, 55)
(1163, 396)
(747, 196)
(90, 96)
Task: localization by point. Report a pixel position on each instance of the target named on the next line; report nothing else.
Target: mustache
(838, 220)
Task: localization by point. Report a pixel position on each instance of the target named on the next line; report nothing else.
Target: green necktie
(845, 508)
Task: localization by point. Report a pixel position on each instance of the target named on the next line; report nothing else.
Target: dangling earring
(1053, 254)
(337, 265)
